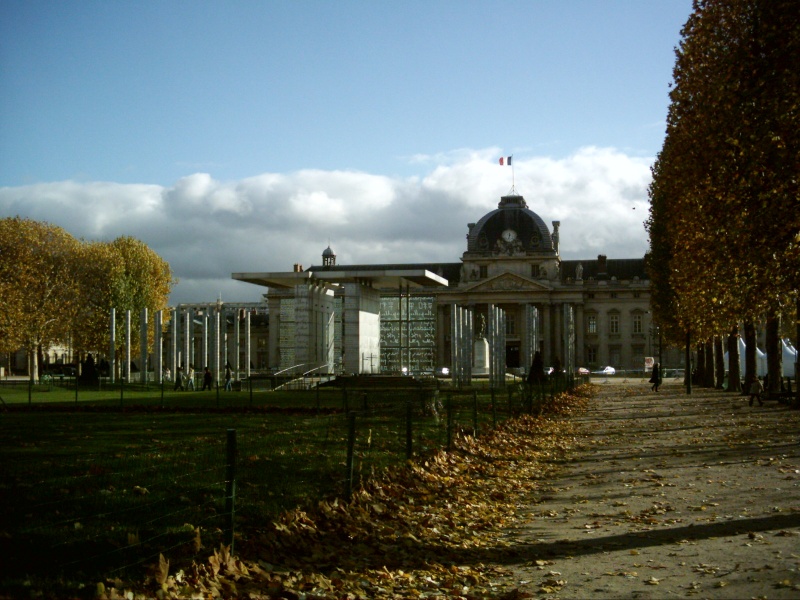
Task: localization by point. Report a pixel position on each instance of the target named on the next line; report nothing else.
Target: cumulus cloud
(206, 229)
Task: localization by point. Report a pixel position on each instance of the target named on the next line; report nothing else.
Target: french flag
(505, 160)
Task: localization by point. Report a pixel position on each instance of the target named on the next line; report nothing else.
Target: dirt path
(668, 496)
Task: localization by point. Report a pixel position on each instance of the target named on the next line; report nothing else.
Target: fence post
(409, 449)
(250, 385)
(162, 391)
(230, 487)
(351, 445)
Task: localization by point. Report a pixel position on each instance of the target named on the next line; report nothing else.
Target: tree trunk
(734, 373)
(688, 357)
(709, 380)
(774, 353)
(719, 362)
(750, 373)
(700, 378)
(797, 356)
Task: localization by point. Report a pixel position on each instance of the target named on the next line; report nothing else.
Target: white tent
(761, 360)
(789, 358)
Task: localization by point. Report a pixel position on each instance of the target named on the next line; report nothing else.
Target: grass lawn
(113, 479)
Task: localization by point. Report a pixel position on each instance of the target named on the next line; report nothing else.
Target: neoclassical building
(508, 296)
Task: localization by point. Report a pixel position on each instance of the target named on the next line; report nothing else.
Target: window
(511, 324)
(613, 324)
(484, 271)
(613, 294)
(591, 354)
(638, 356)
(615, 356)
(591, 324)
(534, 270)
(637, 324)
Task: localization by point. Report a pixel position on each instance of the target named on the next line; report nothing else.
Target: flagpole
(513, 187)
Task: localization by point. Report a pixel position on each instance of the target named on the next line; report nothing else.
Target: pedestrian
(655, 379)
(228, 379)
(755, 391)
(190, 379)
(207, 379)
(178, 380)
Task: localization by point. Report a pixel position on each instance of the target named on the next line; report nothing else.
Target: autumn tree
(724, 225)
(124, 274)
(40, 288)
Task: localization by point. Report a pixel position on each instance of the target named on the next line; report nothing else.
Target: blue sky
(232, 121)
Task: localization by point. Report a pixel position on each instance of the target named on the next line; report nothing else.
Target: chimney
(602, 268)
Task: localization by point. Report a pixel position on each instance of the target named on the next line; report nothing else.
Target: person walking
(190, 379)
(755, 391)
(207, 379)
(228, 379)
(655, 379)
(178, 380)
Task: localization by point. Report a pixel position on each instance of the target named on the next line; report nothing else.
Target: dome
(521, 226)
(328, 257)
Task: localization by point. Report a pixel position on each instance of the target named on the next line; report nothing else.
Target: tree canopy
(57, 289)
(724, 221)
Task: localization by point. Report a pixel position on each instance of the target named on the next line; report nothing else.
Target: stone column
(173, 341)
(158, 348)
(362, 329)
(143, 346)
(126, 371)
(204, 355)
(248, 359)
(580, 341)
(237, 344)
(215, 344)
(547, 335)
(187, 338)
(112, 350)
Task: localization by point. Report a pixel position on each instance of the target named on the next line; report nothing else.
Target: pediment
(509, 282)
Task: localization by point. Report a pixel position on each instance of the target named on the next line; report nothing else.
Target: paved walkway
(668, 496)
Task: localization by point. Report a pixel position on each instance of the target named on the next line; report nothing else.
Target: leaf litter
(409, 532)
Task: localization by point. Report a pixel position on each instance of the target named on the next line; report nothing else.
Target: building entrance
(512, 355)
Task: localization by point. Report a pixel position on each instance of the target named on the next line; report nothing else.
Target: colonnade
(217, 347)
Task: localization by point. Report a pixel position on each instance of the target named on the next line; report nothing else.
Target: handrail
(322, 366)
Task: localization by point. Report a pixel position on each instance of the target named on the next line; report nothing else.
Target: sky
(250, 135)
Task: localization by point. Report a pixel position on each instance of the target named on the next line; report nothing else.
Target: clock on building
(509, 235)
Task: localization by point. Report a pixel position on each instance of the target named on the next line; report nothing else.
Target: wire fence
(108, 513)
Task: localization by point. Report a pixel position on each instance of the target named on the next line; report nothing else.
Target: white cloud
(207, 229)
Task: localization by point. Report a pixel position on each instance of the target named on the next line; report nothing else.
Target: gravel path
(667, 495)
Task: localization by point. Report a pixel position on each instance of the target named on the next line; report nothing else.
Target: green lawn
(120, 475)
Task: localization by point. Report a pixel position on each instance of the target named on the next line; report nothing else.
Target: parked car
(583, 371)
(606, 371)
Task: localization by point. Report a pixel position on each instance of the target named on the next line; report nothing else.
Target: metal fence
(109, 513)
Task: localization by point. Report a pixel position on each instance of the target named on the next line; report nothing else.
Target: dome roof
(512, 213)
(327, 252)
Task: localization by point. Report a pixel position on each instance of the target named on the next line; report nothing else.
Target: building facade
(509, 296)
